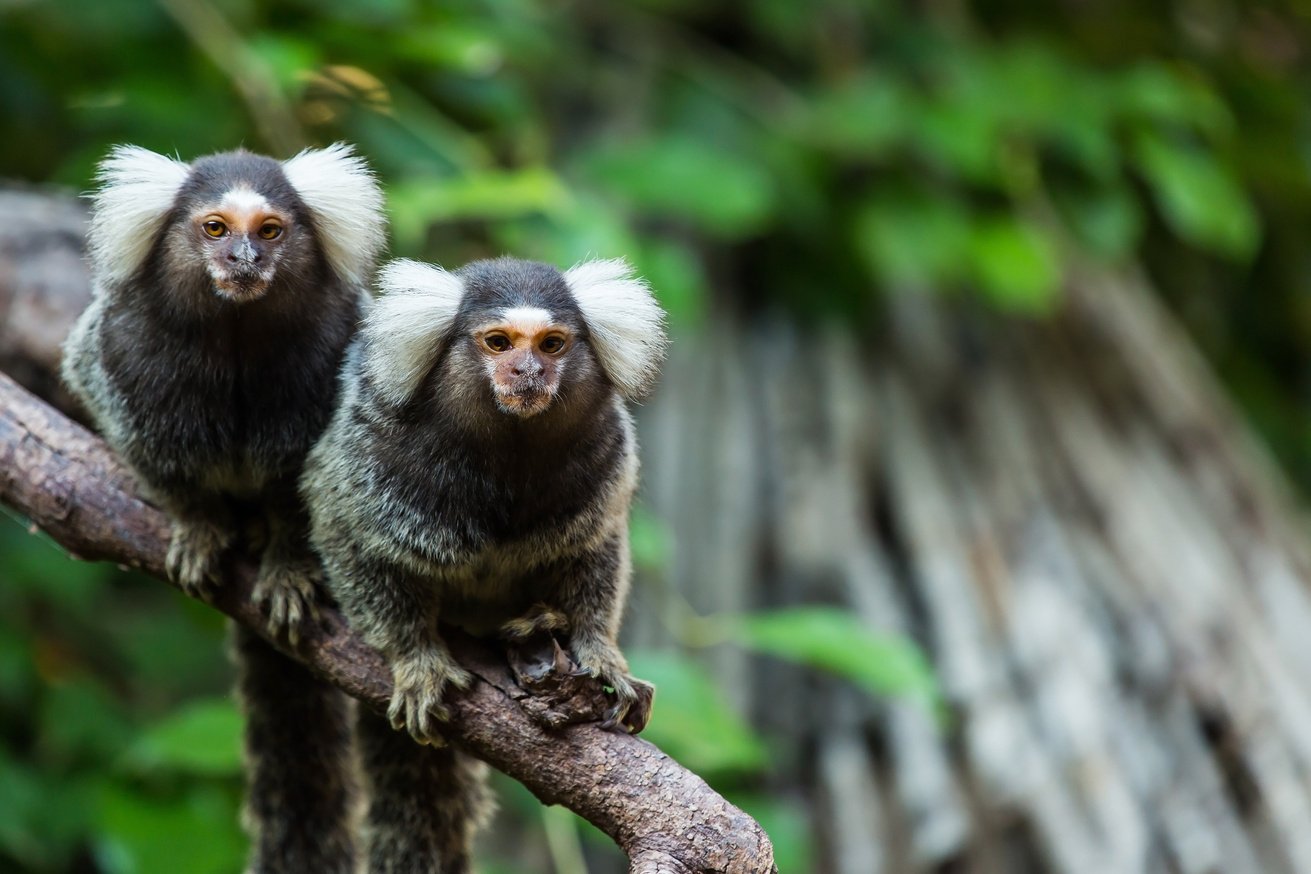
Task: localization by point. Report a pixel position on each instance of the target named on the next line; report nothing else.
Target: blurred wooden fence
(1107, 571)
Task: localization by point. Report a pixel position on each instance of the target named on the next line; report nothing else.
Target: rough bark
(526, 721)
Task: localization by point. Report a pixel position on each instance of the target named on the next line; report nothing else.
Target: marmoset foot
(194, 554)
(633, 697)
(287, 593)
(421, 684)
(539, 618)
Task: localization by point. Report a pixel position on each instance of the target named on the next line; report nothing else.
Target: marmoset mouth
(524, 402)
(242, 286)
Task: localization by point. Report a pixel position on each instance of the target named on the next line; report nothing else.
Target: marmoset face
(242, 237)
(524, 353)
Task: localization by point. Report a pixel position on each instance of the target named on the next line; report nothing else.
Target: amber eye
(270, 231)
(215, 228)
(497, 342)
(552, 344)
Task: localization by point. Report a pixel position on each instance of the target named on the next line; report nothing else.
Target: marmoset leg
(288, 586)
(590, 591)
(396, 613)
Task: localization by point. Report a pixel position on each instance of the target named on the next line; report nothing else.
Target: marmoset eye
(497, 342)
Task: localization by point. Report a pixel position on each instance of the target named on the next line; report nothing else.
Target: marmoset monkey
(479, 472)
(226, 291)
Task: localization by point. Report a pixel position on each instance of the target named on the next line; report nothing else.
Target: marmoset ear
(626, 324)
(137, 188)
(406, 326)
(345, 204)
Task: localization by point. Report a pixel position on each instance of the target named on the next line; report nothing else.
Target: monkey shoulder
(140, 389)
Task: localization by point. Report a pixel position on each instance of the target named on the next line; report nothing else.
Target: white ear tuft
(626, 323)
(136, 191)
(346, 204)
(405, 326)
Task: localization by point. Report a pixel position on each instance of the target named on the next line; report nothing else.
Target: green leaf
(676, 277)
(81, 721)
(1200, 199)
(37, 567)
(288, 58)
(648, 538)
(18, 679)
(787, 822)
(1108, 219)
(201, 738)
(470, 50)
(724, 194)
(914, 238)
(1014, 265)
(691, 721)
(836, 640)
(865, 117)
(144, 834)
(1156, 92)
(46, 816)
(418, 204)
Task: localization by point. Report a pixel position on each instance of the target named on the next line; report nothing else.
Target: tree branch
(664, 817)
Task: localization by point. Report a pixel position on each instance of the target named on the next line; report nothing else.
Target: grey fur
(436, 504)
(209, 365)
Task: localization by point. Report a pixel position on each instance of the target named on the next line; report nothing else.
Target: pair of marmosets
(457, 450)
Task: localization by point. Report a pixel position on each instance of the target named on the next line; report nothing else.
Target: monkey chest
(493, 588)
(218, 427)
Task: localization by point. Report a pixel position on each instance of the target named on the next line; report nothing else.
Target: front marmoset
(479, 472)
(226, 291)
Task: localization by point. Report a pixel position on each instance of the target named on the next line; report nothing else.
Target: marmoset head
(232, 224)
(515, 336)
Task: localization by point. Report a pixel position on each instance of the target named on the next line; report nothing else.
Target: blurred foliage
(745, 154)
(118, 746)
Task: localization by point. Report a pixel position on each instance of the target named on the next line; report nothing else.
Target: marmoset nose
(244, 251)
(527, 367)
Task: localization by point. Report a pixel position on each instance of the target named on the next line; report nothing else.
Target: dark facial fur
(527, 306)
(239, 217)
(238, 233)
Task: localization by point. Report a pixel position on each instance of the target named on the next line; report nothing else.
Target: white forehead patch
(244, 199)
(526, 316)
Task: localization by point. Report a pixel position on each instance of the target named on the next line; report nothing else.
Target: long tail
(302, 789)
(425, 803)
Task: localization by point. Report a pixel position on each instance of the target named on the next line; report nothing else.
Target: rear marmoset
(479, 472)
(226, 291)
